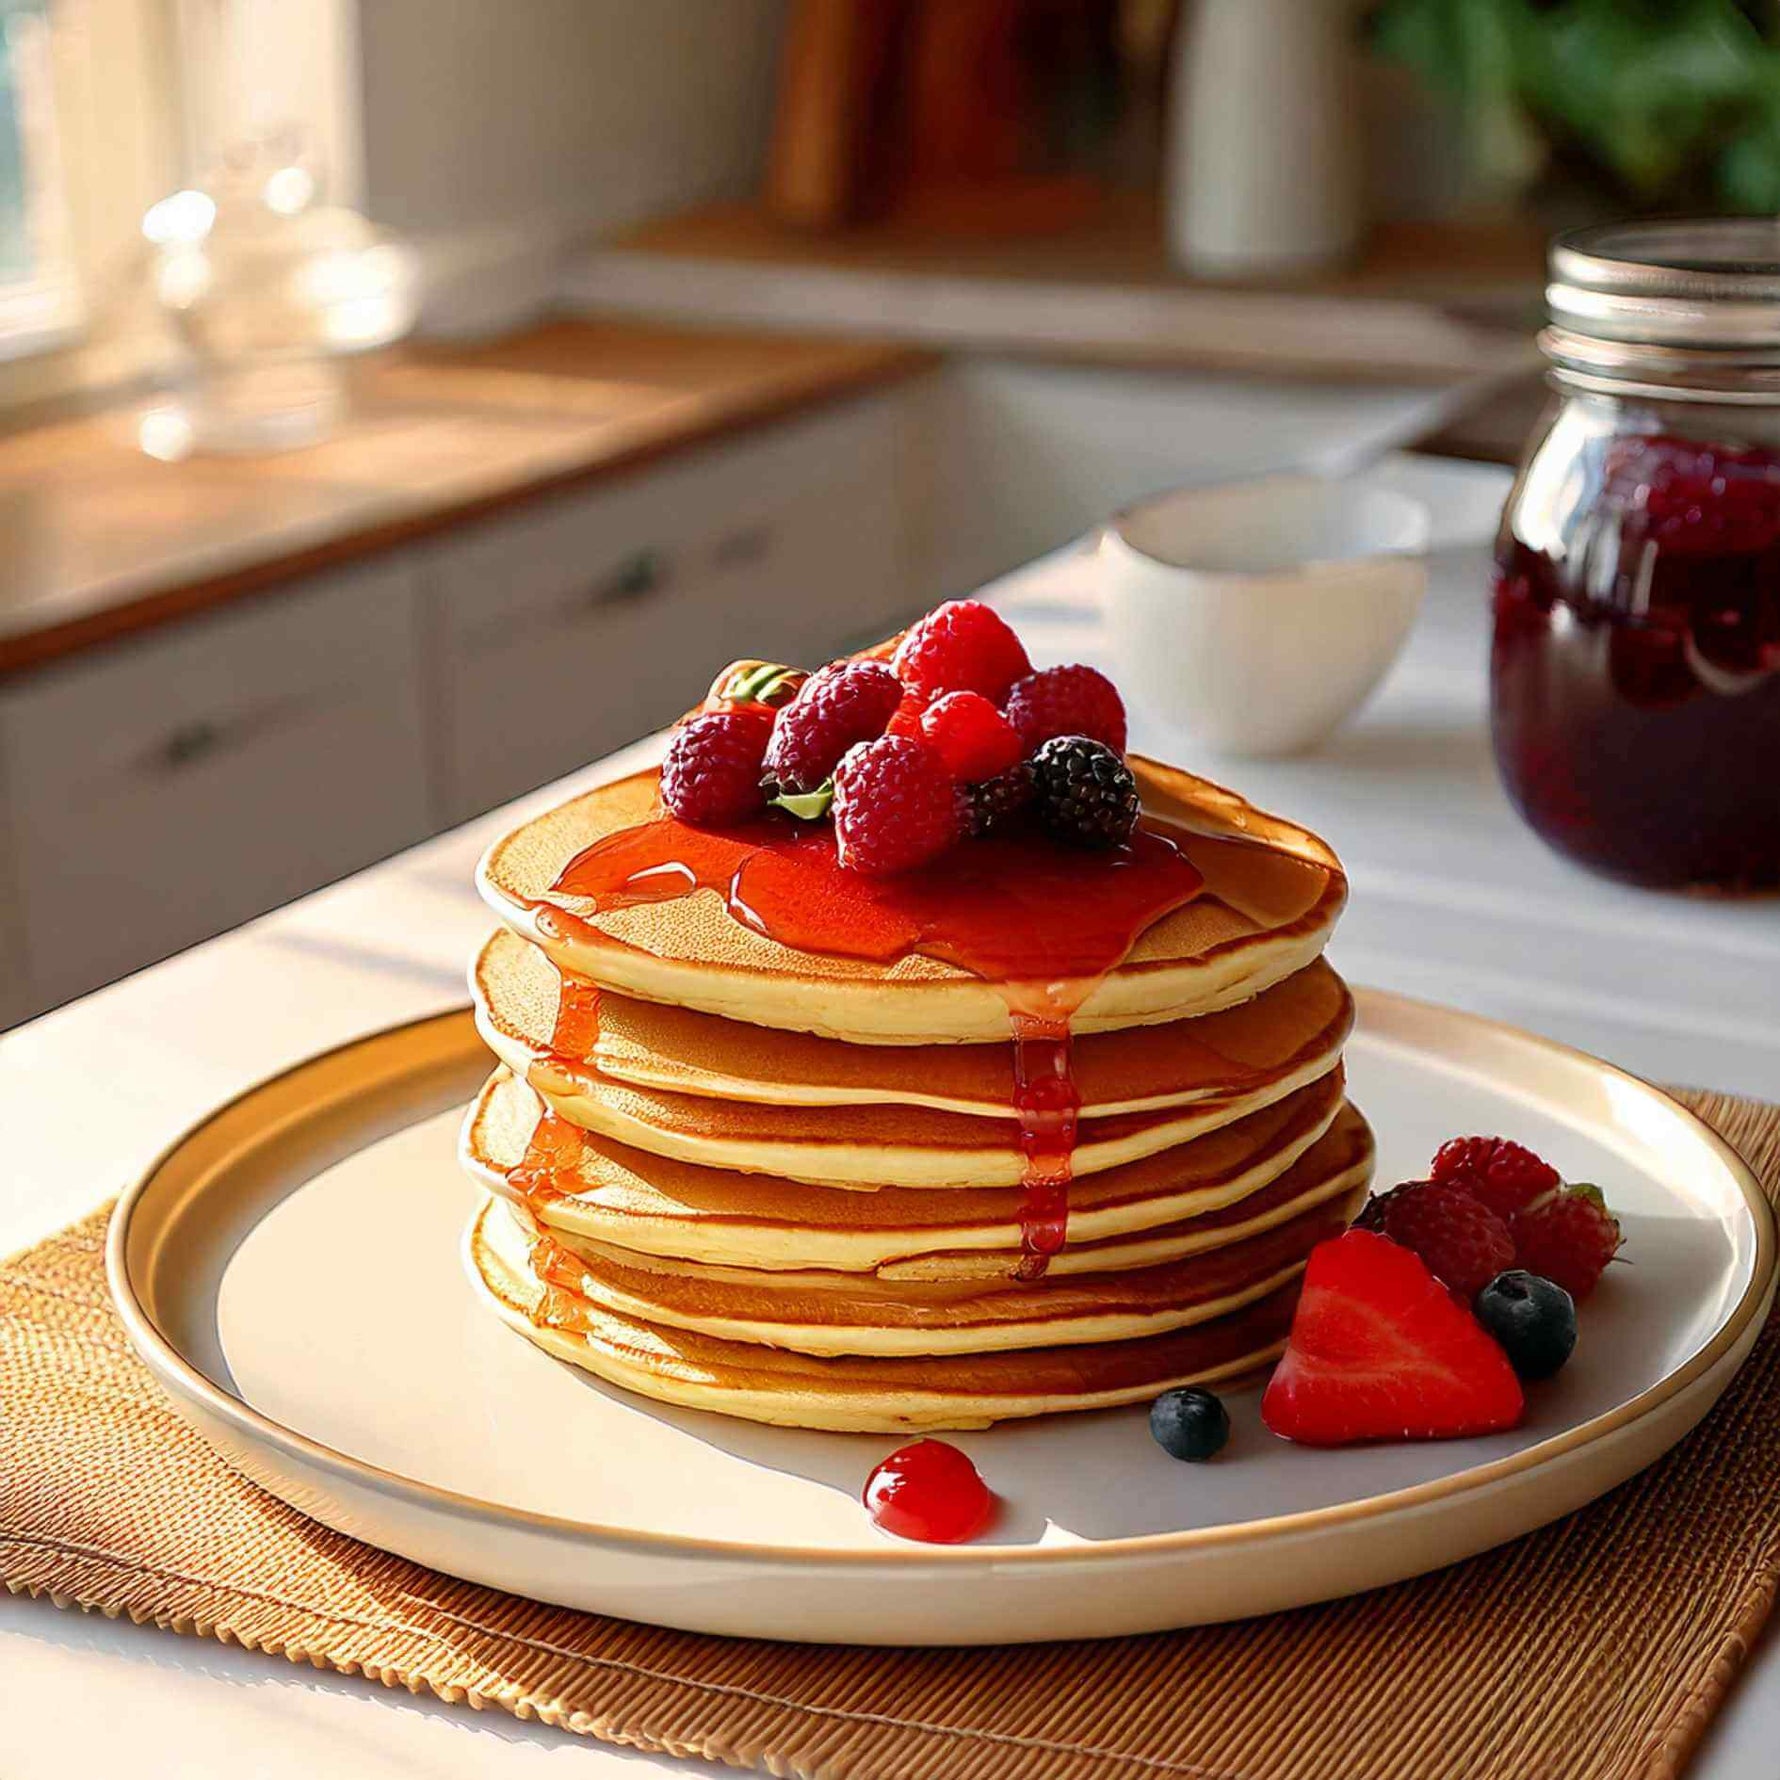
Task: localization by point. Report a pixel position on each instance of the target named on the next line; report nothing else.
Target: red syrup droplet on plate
(929, 1491)
(1041, 922)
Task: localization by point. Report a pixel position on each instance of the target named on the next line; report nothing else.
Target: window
(38, 295)
(106, 106)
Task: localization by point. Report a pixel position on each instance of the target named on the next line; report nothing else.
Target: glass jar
(1635, 669)
(266, 289)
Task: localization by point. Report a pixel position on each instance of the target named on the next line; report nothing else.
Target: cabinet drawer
(575, 628)
(526, 707)
(177, 786)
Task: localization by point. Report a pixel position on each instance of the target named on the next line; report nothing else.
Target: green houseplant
(1655, 104)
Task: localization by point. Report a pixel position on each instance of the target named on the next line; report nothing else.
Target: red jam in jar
(1635, 667)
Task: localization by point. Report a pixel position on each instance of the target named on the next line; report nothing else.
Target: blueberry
(1190, 1423)
(1534, 1320)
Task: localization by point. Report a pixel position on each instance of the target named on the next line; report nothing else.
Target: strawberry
(1380, 1350)
(1464, 1243)
(1507, 1177)
(1568, 1237)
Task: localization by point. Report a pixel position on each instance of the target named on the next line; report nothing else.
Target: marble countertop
(1452, 899)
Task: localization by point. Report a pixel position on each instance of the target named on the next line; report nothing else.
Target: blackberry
(1372, 1214)
(1086, 794)
(1190, 1424)
(993, 805)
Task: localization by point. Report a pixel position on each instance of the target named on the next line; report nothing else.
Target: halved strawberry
(1380, 1350)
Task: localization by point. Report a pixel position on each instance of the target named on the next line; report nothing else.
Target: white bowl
(1256, 616)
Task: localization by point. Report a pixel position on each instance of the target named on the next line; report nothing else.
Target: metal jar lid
(1686, 308)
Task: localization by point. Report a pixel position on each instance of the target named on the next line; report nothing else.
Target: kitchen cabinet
(162, 790)
(585, 622)
(174, 786)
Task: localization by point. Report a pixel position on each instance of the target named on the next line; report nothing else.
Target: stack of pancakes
(733, 1175)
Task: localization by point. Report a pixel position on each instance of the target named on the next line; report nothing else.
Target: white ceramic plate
(291, 1272)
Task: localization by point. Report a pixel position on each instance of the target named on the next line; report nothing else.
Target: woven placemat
(1599, 1647)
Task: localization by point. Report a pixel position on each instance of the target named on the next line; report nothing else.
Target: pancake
(865, 1394)
(1271, 895)
(1285, 1036)
(863, 1314)
(864, 1146)
(598, 1191)
(1336, 1164)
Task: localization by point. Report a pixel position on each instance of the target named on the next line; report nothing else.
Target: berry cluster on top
(954, 737)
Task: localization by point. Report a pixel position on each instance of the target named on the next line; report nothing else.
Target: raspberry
(907, 721)
(1567, 1238)
(961, 646)
(973, 738)
(710, 775)
(895, 806)
(846, 702)
(1067, 701)
(1086, 794)
(1461, 1241)
(1505, 1176)
(994, 805)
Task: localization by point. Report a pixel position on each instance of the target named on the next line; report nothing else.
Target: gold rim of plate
(378, 1065)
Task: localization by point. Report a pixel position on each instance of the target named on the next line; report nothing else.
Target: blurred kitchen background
(407, 401)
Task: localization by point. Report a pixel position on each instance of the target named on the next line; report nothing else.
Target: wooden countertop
(1423, 302)
(101, 540)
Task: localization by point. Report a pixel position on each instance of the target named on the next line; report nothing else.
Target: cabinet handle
(201, 738)
(634, 579)
(188, 744)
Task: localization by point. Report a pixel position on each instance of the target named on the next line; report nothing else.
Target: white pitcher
(1263, 159)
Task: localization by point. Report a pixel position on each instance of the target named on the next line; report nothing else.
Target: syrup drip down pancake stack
(1035, 1128)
